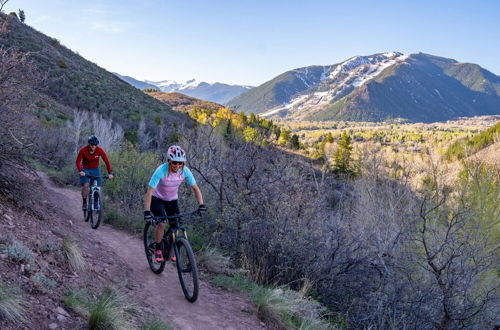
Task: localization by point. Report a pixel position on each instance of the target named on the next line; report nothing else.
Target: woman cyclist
(161, 197)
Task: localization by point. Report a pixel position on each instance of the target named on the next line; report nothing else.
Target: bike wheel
(186, 268)
(86, 216)
(150, 247)
(95, 211)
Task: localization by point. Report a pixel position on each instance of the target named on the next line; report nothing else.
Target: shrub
(19, 252)
(12, 304)
(62, 64)
(42, 282)
(281, 307)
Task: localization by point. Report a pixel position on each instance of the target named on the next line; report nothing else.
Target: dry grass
(12, 304)
(73, 254)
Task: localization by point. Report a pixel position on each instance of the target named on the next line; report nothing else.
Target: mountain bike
(94, 210)
(174, 240)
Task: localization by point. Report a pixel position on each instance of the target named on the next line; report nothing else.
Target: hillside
(181, 102)
(72, 82)
(417, 87)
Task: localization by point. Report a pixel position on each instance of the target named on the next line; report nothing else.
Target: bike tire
(86, 212)
(96, 211)
(149, 249)
(187, 269)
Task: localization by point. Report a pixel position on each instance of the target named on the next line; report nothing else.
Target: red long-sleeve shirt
(87, 160)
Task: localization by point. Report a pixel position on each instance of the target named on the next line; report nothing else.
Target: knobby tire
(187, 269)
(95, 215)
(149, 249)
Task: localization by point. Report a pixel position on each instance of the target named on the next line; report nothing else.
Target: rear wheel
(150, 247)
(186, 268)
(95, 210)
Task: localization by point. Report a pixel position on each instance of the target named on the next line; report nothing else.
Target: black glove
(148, 216)
(202, 209)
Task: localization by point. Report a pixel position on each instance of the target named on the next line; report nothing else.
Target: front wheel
(187, 269)
(86, 212)
(95, 210)
(150, 247)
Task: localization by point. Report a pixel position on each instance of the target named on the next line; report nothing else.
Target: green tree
(342, 156)
(329, 138)
(250, 134)
(294, 142)
(22, 16)
(284, 137)
(252, 118)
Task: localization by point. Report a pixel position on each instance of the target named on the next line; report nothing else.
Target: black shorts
(161, 208)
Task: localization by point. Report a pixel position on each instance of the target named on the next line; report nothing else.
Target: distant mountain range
(216, 92)
(416, 87)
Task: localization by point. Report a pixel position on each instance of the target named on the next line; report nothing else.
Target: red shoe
(159, 256)
(174, 259)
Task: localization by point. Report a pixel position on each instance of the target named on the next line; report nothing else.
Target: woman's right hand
(82, 173)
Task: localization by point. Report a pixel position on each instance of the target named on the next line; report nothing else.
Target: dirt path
(214, 309)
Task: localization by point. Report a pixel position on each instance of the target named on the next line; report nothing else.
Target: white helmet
(176, 153)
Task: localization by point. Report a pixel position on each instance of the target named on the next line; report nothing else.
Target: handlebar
(164, 218)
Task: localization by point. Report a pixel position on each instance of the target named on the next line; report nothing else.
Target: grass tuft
(73, 254)
(12, 304)
(281, 307)
(111, 311)
(215, 261)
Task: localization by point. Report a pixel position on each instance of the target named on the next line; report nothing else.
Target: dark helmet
(93, 140)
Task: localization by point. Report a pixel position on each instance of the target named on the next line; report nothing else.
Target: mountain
(416, 87)
(216, 92)
(136, 83)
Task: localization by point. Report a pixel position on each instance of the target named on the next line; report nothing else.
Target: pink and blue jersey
(166, 186)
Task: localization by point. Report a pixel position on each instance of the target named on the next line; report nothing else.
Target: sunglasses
(176, 163)
(94, 145)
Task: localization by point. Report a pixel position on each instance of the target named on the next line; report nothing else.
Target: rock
(8, 217)
(61, 318)
(22, 268)
(53, 326)
(60, 310)
(3, 256)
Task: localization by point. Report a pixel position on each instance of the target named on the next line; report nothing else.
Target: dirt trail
(214, 309)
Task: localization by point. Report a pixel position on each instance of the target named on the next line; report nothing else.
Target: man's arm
(79, 159)
(106, 160)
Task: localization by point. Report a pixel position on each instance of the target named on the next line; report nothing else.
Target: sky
(250, 42)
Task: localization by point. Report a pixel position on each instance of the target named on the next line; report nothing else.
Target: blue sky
(250, 42)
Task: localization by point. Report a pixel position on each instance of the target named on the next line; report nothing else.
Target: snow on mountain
(342, 79)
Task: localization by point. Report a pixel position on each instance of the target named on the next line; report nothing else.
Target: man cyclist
(161, 196)
(87, 162)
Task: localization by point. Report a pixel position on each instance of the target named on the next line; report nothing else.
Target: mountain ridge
(214, 92)
(378, 87)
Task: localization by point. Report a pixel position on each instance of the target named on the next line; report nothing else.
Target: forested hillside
(387, 243)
